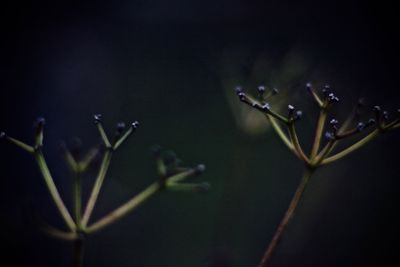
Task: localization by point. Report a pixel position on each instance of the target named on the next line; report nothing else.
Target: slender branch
(103, 134)
(280, 132)
(129, 206)
(20, 144)
(286, 219)
(97, 186)
(351, 148)
(41, 162)
(296, 143)
(77, 197)
(318, 132)
(123, 138)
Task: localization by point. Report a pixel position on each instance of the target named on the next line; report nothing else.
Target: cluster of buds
(325, 100)
(171, 177)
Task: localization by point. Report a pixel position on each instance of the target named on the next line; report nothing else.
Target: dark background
(172, 66)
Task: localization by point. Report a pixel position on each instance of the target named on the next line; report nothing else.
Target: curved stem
(41, 162)
(286, 219)
(96, 188)
(129, 206)
(293, 136)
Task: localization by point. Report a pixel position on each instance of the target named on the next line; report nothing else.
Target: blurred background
(173, 65)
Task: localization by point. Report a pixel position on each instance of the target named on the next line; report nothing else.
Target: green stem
(125, 208)
(296, 143)
(21, 144)
(286, 219)
(78, 248)
(318, 133)
(77, 196)
(351, 148)
(53, 190)
(281, 134)
(96, 188)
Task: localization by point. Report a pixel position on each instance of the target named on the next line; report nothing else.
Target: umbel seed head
(2, 135)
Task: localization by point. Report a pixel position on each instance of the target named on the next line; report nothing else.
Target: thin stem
(324, 152)
(53, 190)
(318, 133)
(129, 206)
(280, 132)
(96, 188)
(123, 138)
(77, 197)
(21, 144)
(351, 148)
(296, 143)
(286, 219)
(78, 249)
(103, 134)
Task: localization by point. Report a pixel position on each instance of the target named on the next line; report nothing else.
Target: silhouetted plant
(171, 176)
(319, 155)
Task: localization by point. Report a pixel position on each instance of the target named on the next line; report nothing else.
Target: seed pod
(360, 126)
(309, 86)
(330, 136)
(120, 127)
(199, 169)
(135, 125)
(298, 115)
(333, 122)
(97, 118)
(238, 90)
(266, 107)
(261, 89)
